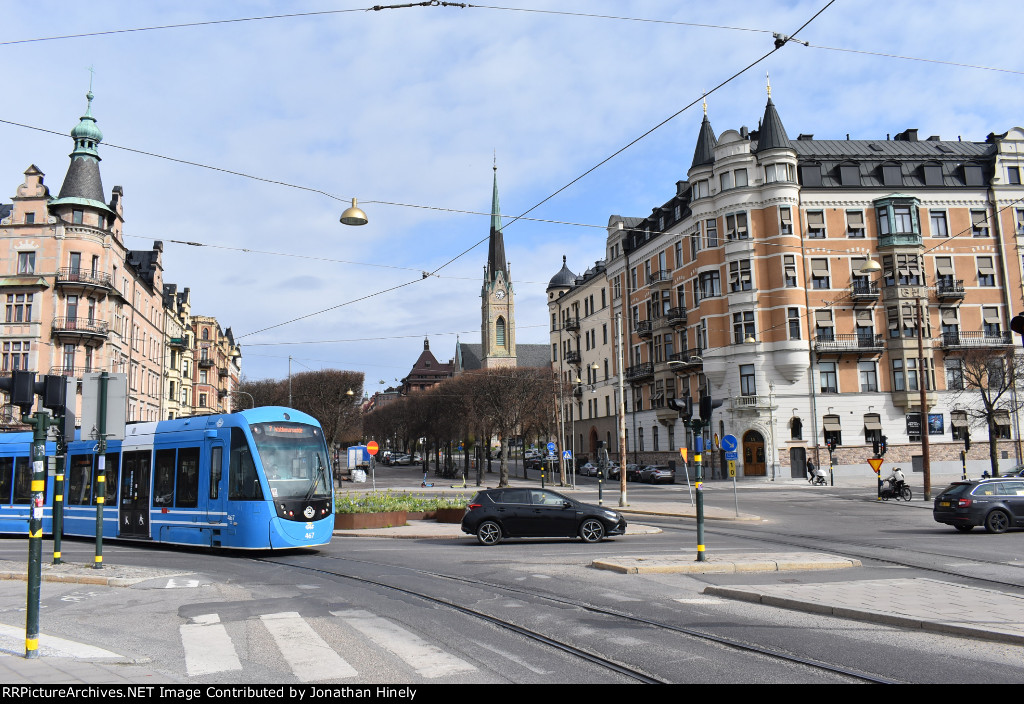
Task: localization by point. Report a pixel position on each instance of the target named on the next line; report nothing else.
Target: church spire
(496, 248)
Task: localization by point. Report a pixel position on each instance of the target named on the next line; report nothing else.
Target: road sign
(732, 455)
(732, 468)
(551, 448)
(371, 447)
(729, 443)
(876, 464)
(567, 455)
(682, 453)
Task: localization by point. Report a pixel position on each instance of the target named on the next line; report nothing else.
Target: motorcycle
(895, 489)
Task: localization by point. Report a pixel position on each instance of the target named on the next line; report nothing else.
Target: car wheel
(963, 528)
(997, 522)
(591, 531)
(488, 533)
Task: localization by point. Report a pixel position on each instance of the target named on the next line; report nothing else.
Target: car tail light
(963, 503)
(470, 507)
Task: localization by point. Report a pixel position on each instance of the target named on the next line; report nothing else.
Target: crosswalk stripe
(428, 660)
(308, 655)
(208, 646)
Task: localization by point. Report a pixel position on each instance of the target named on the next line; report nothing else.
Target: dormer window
(933, 174)
(973, 175)
(892, 175)
(849, 174)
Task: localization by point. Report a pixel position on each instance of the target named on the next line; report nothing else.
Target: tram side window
(23, 480)
(79, 480)
(6, 479)
(163, 478)
(216, 470)
(187, 495)
(243, 481)
(110, 494)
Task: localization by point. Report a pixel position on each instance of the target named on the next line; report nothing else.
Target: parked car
(997, 504)
(633, 472)
(495, 514)
(613, 470)
(401, 459)
(532, 454)
(658, 474)
(588, 470)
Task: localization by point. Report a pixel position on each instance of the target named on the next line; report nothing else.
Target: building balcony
(85, 330)
(572, 324)
(178, 343)
(222, 371)
(94, 281)
(841, 344)
(204, 362)
(640, 372)
(900, 239)
(660, 279)
(676, 317)
(752, 403)
(573, 358)
(645, 328)
(949, 290)
(685, 361)
(77, 372)
(864, 291)
(971, 339)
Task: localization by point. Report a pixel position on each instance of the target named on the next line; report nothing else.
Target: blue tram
(255, 479)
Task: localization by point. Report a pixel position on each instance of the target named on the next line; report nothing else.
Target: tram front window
(294, 458)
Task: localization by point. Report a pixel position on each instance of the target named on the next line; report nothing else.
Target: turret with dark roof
(82, 183)
(772, 134)
(704, 153)
(563, 279)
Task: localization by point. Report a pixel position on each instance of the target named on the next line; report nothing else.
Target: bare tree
(992, 380)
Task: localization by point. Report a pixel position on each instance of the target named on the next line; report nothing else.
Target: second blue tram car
(255, 479)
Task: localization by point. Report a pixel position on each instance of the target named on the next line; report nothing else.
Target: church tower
(498, 327)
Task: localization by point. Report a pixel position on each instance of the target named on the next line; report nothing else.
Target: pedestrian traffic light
(830, 443)
(883, 446)
(967, 440)
(876, 445)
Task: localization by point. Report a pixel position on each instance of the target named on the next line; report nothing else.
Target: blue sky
(410, 106)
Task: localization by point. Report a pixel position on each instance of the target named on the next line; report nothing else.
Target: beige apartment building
(76, 299)
(747, 285)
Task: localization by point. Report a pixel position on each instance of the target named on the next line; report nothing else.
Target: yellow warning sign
(732, 468)
(876, 464)
(682, 453)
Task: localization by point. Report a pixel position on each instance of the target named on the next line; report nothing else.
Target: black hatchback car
(495, 514)
(997, 504)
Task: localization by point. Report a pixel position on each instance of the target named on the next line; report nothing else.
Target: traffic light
(876, 445)
(830, 443)
(967, 440)
(707, 406)
(20, 387)
(883, 446)
(683, 405)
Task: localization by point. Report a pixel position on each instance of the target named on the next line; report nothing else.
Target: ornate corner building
(77, 300)
(747, 284)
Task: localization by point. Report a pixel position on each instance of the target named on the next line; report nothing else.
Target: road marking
(706, 600)
(428, 660)
(208, 646)
(308, 655)
(512, 657)
(175, 584)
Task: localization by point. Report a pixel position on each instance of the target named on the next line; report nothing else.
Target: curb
(641, 565)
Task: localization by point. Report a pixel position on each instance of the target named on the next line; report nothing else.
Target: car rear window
(1011, 488)
(954, 490)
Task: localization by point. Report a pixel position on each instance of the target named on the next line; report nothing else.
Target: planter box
(450, 515)
(354, 521)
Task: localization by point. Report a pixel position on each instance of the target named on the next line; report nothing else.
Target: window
(816, 224)
(19, 308)
(954, 379)
(902, 220)
(986, 272)
(819, 274)
(892, 175)
(872, 428)
(785, 221)
(725, 180)
(979, 223)
(973, 175)
(710, 285)
(932, 174)
(789, 270)
(1013, 175)
(833, 429)
(711, 232)
(854, 223)
(30, 218)
(865, 320)
(780, 172)
(499, 332)
(741, 178)
(695, 243)
(736, 226)
(823, 326)
(748, 386)
(810, 175)
(739, 276)
(700, 189)
(26, 262)
(849, 174)
(793, 318)
(243, 482)
(991, 322)
(868, 376)
(958, 423)
(15, 355)
(899, 380)
(940, 228)
(743, 326)
(796, 429)
(829, 377)
(77, 217)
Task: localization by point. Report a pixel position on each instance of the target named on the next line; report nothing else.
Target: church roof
(496, 248)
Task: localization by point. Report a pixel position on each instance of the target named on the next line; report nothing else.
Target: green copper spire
(83, 181)
(86, 134)
(496, 248)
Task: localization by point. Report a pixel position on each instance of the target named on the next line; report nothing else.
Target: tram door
(216, 507)
(134, 514)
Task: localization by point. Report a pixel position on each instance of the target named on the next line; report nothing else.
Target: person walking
(810, 471)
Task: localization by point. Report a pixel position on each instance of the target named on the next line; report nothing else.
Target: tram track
(561, 602)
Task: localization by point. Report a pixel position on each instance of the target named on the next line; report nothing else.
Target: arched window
(499, 332)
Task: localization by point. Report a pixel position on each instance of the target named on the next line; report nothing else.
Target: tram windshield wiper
(316, 477)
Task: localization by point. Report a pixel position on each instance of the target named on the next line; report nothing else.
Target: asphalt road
(374, 610)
